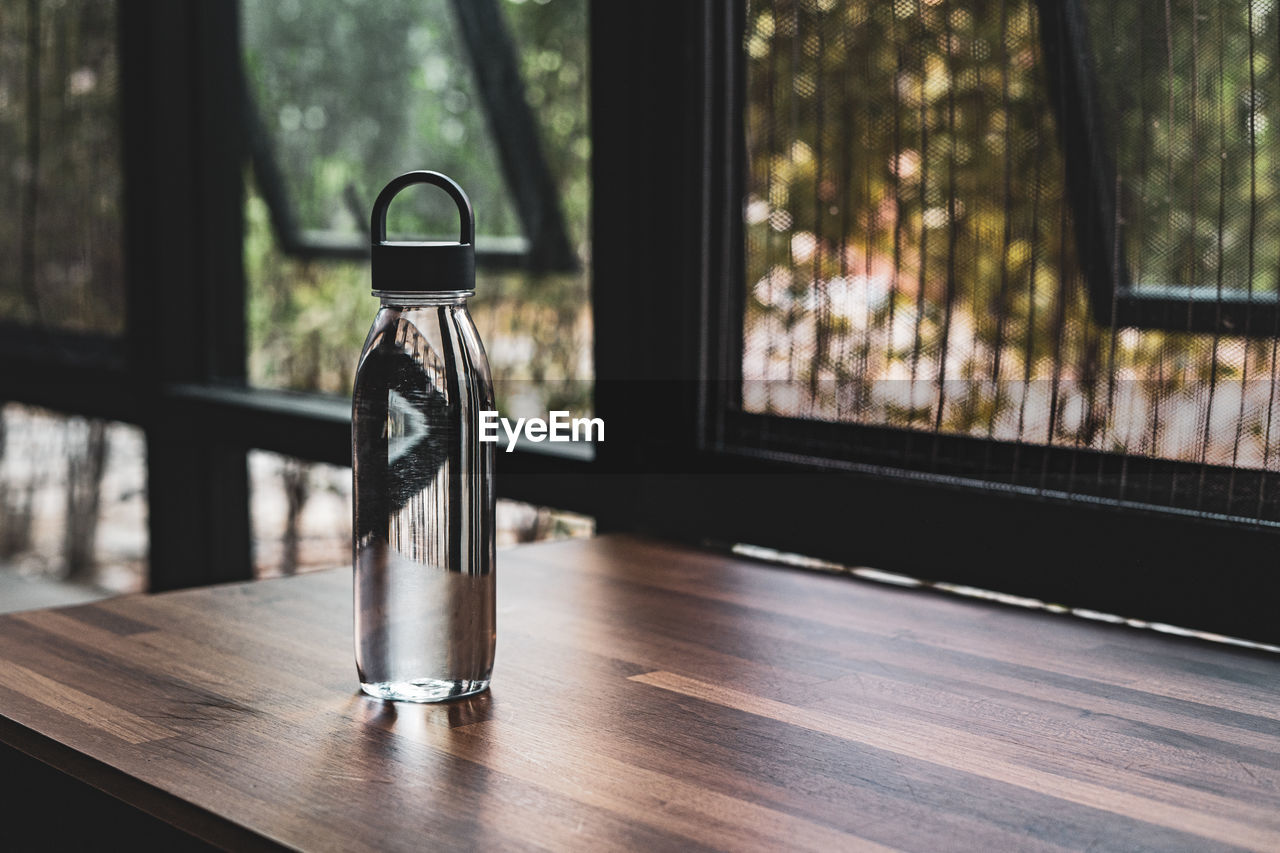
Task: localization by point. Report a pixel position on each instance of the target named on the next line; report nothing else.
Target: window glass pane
(911, 247)
(60, 173)
(1186, 100)
(399, 94)
(301, 513)
(351, 94)
(73, 508)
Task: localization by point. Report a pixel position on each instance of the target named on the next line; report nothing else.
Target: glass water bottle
(423, 481)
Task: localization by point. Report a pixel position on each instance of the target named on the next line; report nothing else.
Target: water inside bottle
(424, 580)
(410, 622)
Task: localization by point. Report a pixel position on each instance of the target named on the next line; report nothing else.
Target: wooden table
(646, 696)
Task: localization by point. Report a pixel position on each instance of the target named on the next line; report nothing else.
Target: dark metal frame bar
(183, 225)
(495, 62)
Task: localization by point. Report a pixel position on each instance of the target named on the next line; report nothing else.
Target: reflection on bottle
(424, 505)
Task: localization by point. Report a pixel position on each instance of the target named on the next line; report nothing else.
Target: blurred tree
(86, 463)
(17, 504)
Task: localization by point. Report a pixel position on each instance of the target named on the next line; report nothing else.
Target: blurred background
(995, 268)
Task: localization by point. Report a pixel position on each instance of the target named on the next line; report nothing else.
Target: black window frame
(681, 459)
(701, 469)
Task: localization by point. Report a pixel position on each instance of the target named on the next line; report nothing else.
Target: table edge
(131, 792)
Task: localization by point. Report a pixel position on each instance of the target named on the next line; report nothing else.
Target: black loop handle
(378, 223)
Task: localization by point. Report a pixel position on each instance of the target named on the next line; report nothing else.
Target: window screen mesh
(911, 250)
(1186, 91)
(61, 235)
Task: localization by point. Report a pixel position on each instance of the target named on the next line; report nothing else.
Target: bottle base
(424, 689)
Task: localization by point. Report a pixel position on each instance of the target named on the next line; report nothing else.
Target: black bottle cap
(412, 267)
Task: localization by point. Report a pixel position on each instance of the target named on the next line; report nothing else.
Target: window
(839, 302)
(191, 340)
(914, 262)
(900, 363)
(72, 511)
(73, 508)
(493, 94)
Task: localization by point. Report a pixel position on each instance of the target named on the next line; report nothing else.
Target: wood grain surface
(648, 696)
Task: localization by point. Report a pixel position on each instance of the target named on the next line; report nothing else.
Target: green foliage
(357, 92)
(1195, 147)
(353, 93)
(306, 319)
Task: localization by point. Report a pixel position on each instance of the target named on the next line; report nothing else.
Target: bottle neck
(422, 299)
